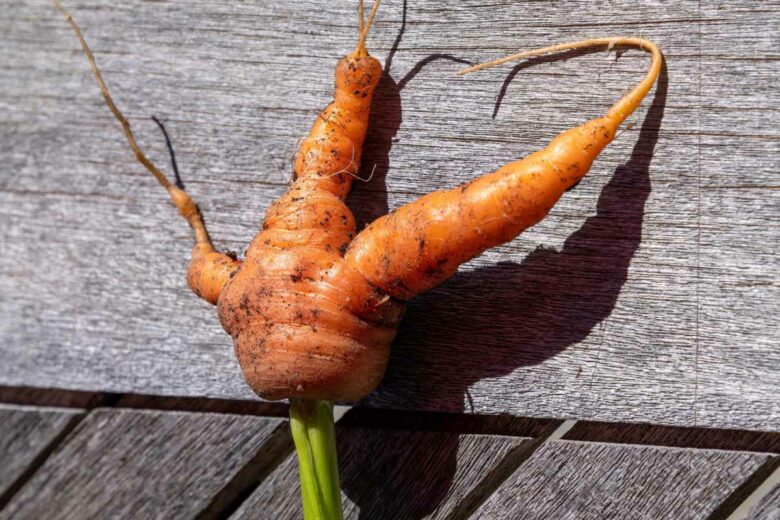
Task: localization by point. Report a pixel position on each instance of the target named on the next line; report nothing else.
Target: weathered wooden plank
(739, 291)
(394, 474)
(768, 508)
(615, 308)
(25, 435)
(135, 464)
(567, 480)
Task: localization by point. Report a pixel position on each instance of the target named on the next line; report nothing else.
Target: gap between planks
(268, 458)
(247, 479)
(582, 430)
(747, 494)
(76, 441)
(491, 482)
(761, 492)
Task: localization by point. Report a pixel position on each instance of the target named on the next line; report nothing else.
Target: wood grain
(738, 262)
(768, 508)
(26, 434)
(648, 295)
(394, 474)
(568, 480)
(143, 464)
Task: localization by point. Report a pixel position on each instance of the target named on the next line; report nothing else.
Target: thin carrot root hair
(345, 170)
(626, 105)
(364, 26)
(183, 202)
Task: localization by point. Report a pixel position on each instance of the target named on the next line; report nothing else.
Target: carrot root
(364, 26)
(628, 103)
(209, 270)
(422, 243)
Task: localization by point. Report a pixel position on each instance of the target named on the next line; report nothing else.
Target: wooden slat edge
(267, 459)
(43, 453)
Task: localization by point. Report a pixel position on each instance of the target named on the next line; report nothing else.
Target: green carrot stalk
(315, 441)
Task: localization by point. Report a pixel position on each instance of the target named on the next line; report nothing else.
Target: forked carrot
(312, 309)
(422, 243)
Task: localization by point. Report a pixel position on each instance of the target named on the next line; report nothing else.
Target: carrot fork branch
(186, 206)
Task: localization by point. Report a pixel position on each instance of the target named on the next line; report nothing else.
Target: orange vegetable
(312, 310)
(421, 244)
(209, 270)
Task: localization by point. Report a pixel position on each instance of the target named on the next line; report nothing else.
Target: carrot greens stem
(314, 436)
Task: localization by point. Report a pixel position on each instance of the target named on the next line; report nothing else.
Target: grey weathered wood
(25, 434)
(144, 464)
(567, 480)
(393, 474)
(649, 294)
(768, 508)
(739, 226)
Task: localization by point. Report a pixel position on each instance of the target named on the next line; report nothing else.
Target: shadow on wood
(385, 120)
(552, 300)
(390, 482)
(422, 496)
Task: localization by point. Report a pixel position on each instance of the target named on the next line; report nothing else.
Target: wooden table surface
(649, 296)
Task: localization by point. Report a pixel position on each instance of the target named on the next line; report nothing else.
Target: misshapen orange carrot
(304, 323)
(422, 243)
(311, 322)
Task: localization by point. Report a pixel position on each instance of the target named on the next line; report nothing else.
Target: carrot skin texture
(423, 243)
(209, 272)
(304, 322)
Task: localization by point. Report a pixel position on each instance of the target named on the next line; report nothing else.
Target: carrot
(312, 309)
(304, 323)
(422, 243)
